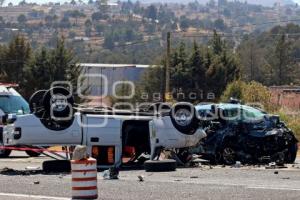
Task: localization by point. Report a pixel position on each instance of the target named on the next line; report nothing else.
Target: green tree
(217, 44)
(88, 27)
(16, 57)
(234, 89)
(197, 68)
(151, 12)
(249, 93)
(49, 65)
(282, 62)
(219, 24)
(22, 19)
(103, 7)
(38, 73)
(76, 14)
(65, 22)
(152, 82)
(254, 65)
(224, 67)
(109, 40)
(100, 28)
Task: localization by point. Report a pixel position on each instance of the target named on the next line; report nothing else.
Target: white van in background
(11, 102)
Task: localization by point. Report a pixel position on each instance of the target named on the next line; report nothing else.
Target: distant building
(286, 96)
(112, 73)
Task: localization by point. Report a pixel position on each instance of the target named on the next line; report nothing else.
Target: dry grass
(292, 121)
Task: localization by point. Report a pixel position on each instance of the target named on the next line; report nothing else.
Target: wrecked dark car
(242, 133)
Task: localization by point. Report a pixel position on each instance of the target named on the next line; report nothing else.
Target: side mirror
(11, 118)
(7, 119)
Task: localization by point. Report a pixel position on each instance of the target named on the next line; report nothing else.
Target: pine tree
(16, 58)
(197, 68)
(37, 73)
(217, 44)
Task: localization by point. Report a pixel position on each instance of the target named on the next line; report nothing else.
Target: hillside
(134, 32)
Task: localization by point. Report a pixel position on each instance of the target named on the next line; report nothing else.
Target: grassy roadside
(292, 121)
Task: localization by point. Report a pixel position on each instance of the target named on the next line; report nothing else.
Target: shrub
(253, 92)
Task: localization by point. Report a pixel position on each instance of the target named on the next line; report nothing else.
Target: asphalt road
(186, 183)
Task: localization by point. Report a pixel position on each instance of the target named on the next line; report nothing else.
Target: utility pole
(167, 84)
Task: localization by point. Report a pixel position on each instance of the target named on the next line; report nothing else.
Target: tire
(62, 111)
(160, 165)
(5, 153)
(291, 155)
(33, 153)
(228, 155)
(36, 103)
(184, 111)
(56, 166)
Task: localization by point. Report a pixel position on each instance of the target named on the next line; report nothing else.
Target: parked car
(238, 132)
(11, 102)
(109, 134)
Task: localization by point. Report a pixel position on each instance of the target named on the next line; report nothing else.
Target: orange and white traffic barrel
(84, 179)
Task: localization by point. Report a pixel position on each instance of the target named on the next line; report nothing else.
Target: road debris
(36, 182)
(12, 172)
(32, 168)
(237, 164)
(273, 165)
(141, 178)
(111, 174)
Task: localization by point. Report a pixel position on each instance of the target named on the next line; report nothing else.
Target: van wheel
(33, 153)
(4, 153)
(160, 165)
(59, 102)
(56, 166)
(184, 118)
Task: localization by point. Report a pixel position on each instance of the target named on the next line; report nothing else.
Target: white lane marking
(273, 188)
(33, 196)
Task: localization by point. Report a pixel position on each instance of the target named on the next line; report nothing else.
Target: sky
(44, 1)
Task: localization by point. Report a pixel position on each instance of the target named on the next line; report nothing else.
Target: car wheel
(184, 118)
(160, 165)
(4, 153)
(228, 155)
(56, 166)
(291, 155)
(36, 103)
(33, 153)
